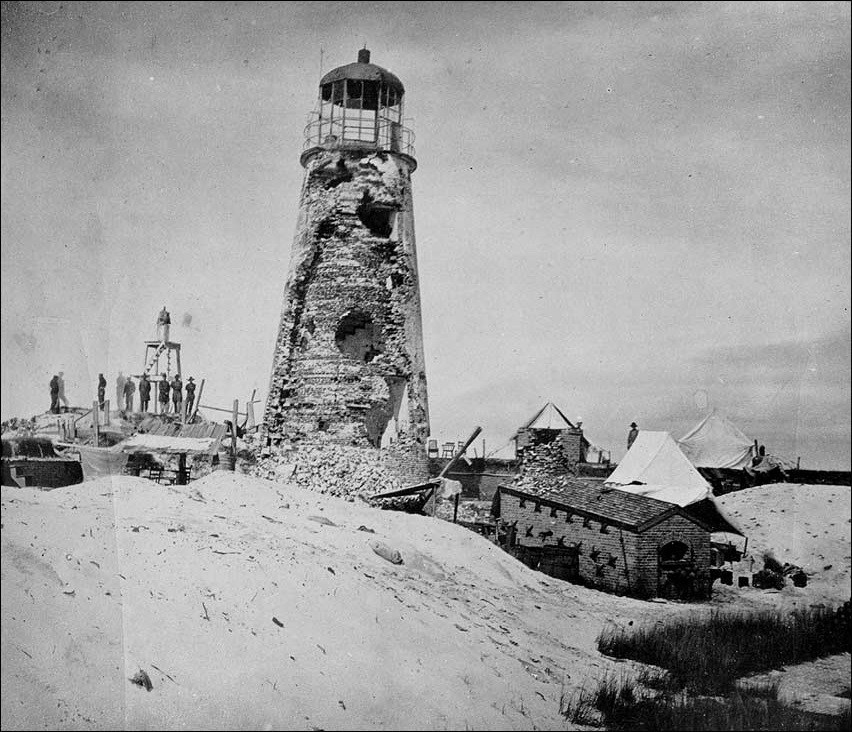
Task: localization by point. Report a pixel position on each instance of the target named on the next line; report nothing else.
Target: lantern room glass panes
(360, 111)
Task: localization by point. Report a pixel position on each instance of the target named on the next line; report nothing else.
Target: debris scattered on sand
(140, 678)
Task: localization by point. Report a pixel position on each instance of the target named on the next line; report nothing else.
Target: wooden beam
(219, 409)
(96, 433)
(461, 451)
(197, 401)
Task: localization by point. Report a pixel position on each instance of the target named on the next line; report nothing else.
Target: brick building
(606, 538)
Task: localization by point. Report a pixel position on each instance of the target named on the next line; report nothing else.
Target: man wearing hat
(177, 394)
(632, 434)
(190, 394)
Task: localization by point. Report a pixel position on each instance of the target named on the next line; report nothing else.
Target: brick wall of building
(601, 555)
(43, 473)
(675, 528)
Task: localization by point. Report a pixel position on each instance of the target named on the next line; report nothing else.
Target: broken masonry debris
(140, 678)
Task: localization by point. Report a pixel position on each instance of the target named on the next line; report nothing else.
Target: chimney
(363, 56)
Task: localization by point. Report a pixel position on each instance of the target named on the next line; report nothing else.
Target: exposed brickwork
(348, 368)
(610, 558)
(675, 528)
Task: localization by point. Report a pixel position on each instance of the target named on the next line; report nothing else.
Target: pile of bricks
(337, 470)
(544, 467)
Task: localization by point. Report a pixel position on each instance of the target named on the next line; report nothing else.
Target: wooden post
(234, 427)
(106, 412)
(96, 433)
(181, 475)
(198, 400)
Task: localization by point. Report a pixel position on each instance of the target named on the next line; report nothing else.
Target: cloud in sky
(613, 202)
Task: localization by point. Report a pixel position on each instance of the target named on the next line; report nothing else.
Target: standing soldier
(129, 390)
(54, 395)
(144, 393)
(177, 394)
(164, 394)
(62, 398)
(190, 395)
(102, 384)
(631, 436)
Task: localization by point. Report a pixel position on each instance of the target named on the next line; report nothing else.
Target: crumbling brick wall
(544, 466)
(348, 367)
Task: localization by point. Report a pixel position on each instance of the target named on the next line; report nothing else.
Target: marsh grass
(707, 655)
(619, 703)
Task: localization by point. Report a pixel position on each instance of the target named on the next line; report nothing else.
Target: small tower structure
(162, 356)
(348, 366)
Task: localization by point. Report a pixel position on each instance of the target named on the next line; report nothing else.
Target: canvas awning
(144, 442)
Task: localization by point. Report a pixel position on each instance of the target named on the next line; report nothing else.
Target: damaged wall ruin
(348, 368)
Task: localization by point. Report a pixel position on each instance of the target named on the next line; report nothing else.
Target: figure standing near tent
(163, 323)
(190, 395)
(163, 396)
(102, 385)
(61, 379)
(144, 393)
(54, 395)
(129, 391)
(177, 394)
(631, 436)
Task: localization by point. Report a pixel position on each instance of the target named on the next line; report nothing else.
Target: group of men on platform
(170, 395)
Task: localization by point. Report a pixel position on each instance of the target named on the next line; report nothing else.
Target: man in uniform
(177, 393)
(102, 384)
(190, 395)
(54, 395)
(164, 394)
(144, 393)
(631, 436)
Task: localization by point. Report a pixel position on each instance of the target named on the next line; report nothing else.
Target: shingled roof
(610, 505)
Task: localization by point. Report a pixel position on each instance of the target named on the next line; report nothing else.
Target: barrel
(227, 461)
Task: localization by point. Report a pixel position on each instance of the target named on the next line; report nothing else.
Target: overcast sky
(638, 211)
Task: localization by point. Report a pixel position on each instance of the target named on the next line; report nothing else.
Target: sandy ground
(805, 525)
(254, 605)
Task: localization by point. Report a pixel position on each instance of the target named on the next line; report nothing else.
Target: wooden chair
(448, 450)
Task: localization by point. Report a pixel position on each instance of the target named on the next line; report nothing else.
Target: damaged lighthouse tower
(348, 374)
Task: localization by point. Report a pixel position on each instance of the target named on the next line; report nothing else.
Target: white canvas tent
(716, 443)
(549, 417)
(654, 466)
